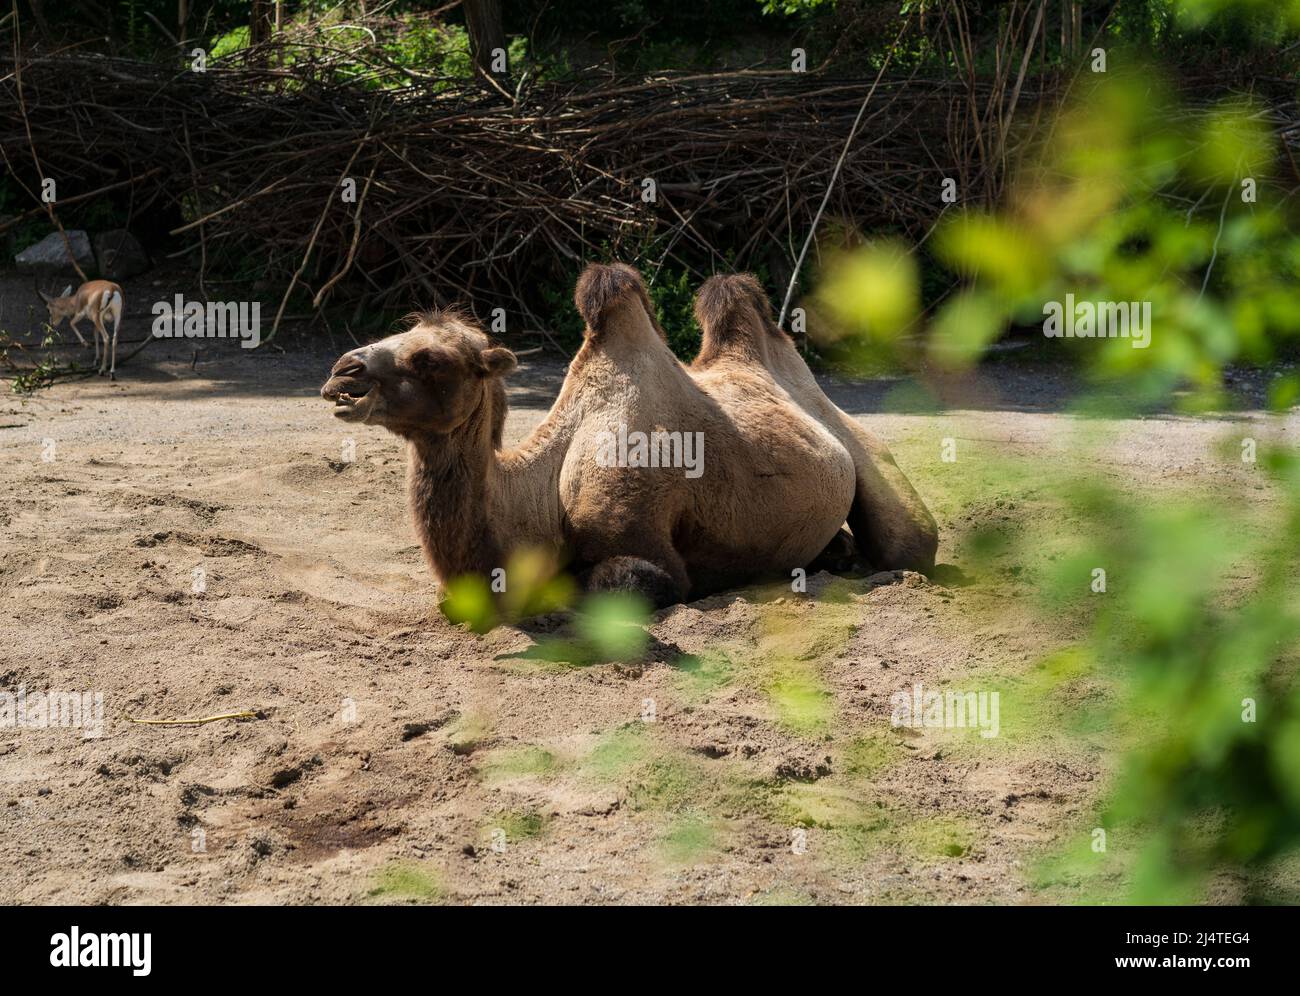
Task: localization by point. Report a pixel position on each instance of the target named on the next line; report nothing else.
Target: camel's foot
(637, 575)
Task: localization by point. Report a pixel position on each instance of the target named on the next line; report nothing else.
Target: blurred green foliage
(1212, 706)
(607, 626)
(1136, 197)
(527, 586)
(1131, 200)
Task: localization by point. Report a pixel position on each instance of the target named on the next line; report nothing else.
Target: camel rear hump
(735, 321)
(890, 523)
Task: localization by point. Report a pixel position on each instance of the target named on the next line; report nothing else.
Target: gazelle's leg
(72, 324)
(101, 333)
(112, 370)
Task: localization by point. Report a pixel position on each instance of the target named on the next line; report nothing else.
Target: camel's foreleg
(635, 574)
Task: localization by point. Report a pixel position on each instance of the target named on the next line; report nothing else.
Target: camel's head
(430, 379)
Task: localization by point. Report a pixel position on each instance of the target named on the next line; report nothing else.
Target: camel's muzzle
(353, 398)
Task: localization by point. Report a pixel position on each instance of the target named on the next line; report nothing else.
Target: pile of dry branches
(476, 190)
(342, 175)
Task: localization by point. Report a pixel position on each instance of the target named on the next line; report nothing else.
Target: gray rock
(119, 255)
(50, 255)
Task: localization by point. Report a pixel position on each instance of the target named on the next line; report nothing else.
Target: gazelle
(94, 300)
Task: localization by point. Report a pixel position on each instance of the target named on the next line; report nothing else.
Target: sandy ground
(395, 758)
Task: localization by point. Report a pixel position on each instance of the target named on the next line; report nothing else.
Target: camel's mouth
(353, 399)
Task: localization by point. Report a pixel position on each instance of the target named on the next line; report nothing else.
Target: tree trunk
(259, 26)
(483, 21)
(182, 19)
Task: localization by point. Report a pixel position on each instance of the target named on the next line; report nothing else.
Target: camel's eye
(427, 363)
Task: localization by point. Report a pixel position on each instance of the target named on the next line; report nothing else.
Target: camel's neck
(471, 505)
(449, 478)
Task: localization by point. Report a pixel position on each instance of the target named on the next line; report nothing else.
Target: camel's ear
(497, 361)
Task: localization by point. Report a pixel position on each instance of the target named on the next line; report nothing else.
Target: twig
(848, 142)
(31, 145)
(352, 249)
(1214, 253)
(191, 722)
(311, 244)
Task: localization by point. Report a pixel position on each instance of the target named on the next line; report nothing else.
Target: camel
(780, 468)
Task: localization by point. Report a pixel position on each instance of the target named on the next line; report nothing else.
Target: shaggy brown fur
(777, 480)
(599, 288)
